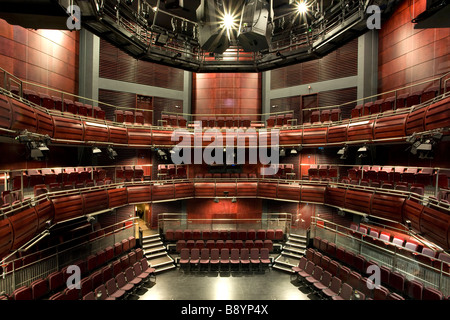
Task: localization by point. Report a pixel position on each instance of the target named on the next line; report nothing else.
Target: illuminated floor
(273, 285)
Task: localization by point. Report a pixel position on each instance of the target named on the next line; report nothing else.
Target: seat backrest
(120, 280)
(336, 284)
(326, 278)
(195, 253)
(214, 254)
(264, 252)
(346, 291)
(205, 253)
(254, 253)
(111, 286)
(234, 253)
(225, 253)
(244, 253)
(318, 271)
(309, 267)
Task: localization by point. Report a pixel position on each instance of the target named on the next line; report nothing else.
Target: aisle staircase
(292, 251)
(156, 253)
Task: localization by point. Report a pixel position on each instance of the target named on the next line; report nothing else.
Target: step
(161, 263)
(294, 237)
(152, 255)
(164, 268)
(295, 251)
(295, 245)
(152, 244)
(283, 268)
(154, 249)
(287, 260)
(151, 236)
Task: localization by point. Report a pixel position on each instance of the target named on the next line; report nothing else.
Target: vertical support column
(265, 98)
(89, 65)
(187, 93)
(367, 65)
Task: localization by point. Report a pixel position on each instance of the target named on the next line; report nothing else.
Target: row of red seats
(404, 100)
(403, 186)
(173, 121)
(56, 103)
(353, 269)
(55, 187)
(403, 246)
(226, 176)
(280, 120)
(224, 122)
(47, 176)
(129, 117)
(285, 171)
(426, 176)
(241, 234)
(219, 244)
(236, 259)
(171, 171)
(322, 171)
(40, 288)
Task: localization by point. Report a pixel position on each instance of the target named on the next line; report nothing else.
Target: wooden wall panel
(337, 64)
(208, 209)
(47, 57)
(408, 55)
(117, 65)
(226, 93)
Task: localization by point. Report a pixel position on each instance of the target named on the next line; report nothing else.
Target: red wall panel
(208, 209)
(227, 93)
(48, 57)
(408, 55)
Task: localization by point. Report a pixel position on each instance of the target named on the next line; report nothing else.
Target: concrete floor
(236, 285)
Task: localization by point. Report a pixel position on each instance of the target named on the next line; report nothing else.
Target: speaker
(211, 37)
(254, 29)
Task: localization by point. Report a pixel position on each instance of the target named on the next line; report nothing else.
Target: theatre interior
(313, 134)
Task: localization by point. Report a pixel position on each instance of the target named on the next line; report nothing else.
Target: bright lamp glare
(228, 21)
(302, 7)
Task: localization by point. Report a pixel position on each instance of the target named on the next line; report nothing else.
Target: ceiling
(171, 32)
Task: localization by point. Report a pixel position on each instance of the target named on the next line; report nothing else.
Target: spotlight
(210, 35)
(343, 152)
(216, 200)
(111, 153)
(408, 224)
(36, 154)
(96, 150)
(234, 200)
(282, 152)
(426, 146)
(302, 7)
(362, 149)
(294, 151)
(363, 152)
(43, 146)
(255, 28)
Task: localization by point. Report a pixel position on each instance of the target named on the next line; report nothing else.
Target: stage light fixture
(343, 152)
(255, 28)
(111, 153)
(211, 37)
(294, 151)
(216, 200)
(234, 200)
(302, 7)
(96, 150)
